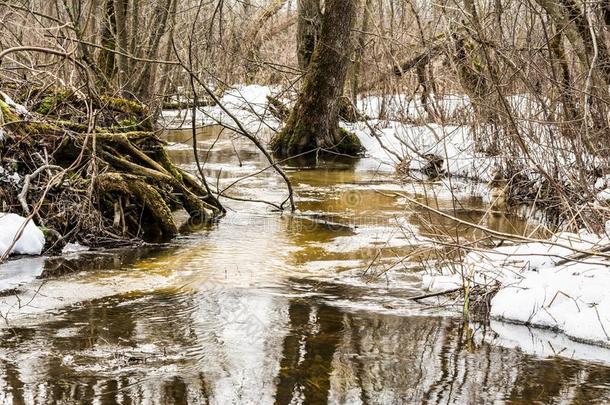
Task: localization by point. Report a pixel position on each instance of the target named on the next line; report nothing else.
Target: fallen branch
(22, 196)
(435, 294)
(507, 236)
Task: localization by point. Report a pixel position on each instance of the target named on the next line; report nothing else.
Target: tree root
(117, 185)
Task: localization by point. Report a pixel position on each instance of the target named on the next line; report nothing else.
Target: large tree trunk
(308, 27)
(313, 124)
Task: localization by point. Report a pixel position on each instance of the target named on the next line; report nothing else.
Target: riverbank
(224, 300)
(544, 284)
(538, 284)
(99, 182)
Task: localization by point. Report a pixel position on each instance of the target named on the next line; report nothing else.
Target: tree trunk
(313, 124)
(166, 69)
(359, 54)
(146, 79)
(308, 26)
(106, 60)
(122, 38)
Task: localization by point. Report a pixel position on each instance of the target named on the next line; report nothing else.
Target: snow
(573, 299)
(538, 288)
(21, 110)
(31, 241)
(602, 186)
(74, 248)
(7, 177)
(541, 342)
(455, 144)
(248, 104)
(406, 107)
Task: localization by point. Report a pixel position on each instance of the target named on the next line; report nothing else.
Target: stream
(265, 307)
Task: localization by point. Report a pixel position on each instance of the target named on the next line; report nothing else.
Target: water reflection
(202, 348)
(308, 351)
(263, 308)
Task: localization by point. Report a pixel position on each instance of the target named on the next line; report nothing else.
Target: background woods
(530, 79)
(555, 51)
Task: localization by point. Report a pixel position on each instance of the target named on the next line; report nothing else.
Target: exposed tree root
(99, 187)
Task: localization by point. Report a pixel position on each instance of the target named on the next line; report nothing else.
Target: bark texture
(313, 124)
(308, 27)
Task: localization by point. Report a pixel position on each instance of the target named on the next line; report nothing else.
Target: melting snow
(246, 103)
(31, 241)
(538, 288)
(21, 110)
(74, 248)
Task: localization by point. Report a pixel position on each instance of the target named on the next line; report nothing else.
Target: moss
(46, 105)
(291, 143)
(158, 219)
(7, 113)
(73, 126)
(133, 109)
(127, 125)
(124, 105)
(53, 100)
(163, 158)
(37, 127)
(53, 127)
(349, 143)
(48, 233)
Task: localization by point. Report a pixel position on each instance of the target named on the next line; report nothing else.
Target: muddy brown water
(263, 307)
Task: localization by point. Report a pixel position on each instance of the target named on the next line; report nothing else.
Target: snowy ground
(538, 288)
(248, 104)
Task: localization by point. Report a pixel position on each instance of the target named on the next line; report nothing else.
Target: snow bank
(409, 107)
(31, 241)
(537, 288)
(573, 299)
(246, 103)
(455, 144)
(540, 342)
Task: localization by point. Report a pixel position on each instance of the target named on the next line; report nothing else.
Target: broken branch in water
(435, 294)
